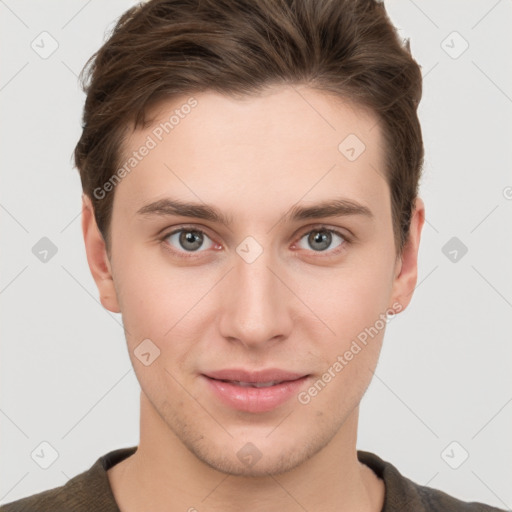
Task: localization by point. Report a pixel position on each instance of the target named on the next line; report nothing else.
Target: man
(250, 173)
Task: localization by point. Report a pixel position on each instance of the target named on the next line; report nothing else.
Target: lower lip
(251, 399)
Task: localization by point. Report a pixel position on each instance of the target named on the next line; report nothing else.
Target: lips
(254, 384)
(254, 391)
(270, 375)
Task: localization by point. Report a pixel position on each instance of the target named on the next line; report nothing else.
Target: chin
(266, 465)
(261, 457)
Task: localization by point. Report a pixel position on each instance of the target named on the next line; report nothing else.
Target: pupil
(322, 237)
(191, 237)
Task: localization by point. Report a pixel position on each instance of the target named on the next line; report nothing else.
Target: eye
(188, 240)
(321, 239)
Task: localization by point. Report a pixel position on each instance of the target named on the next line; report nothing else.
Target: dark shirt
(90, 491)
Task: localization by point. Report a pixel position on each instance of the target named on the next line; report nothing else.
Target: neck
(164, 475)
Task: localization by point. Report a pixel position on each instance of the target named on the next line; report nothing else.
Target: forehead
(274, 148)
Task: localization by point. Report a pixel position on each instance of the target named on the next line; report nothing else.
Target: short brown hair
(166, 48)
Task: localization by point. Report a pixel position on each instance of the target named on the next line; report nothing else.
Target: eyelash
(192, 254)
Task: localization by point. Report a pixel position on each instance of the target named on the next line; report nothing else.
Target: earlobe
(97, 257)
(406, 276)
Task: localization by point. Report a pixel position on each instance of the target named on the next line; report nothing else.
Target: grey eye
(190, 240)
(320, 239)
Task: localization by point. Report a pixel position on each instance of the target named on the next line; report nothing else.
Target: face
(284, 261)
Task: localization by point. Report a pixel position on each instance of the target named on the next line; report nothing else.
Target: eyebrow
(339, 207)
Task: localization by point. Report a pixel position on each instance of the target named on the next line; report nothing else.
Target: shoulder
(90, 490)
(75, 496)
(435, 500)
(404, 494)
(64, 497)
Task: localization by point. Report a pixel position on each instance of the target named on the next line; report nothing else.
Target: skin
(294, 307)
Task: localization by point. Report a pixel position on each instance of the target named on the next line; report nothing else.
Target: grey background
(445, 369)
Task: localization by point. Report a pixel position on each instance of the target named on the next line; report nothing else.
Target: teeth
(255, 384)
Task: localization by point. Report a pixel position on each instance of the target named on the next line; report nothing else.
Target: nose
(256, 305)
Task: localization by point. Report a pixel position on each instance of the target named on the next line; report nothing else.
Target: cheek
(162, 303)
(155, 301)
(350, 298)
(353, 302)
(153, 294)
(347, 373)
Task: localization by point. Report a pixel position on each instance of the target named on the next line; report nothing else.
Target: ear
(97, 257)
(406, 269)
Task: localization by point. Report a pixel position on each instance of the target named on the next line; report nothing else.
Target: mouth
(255, 392)
(254, 384)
